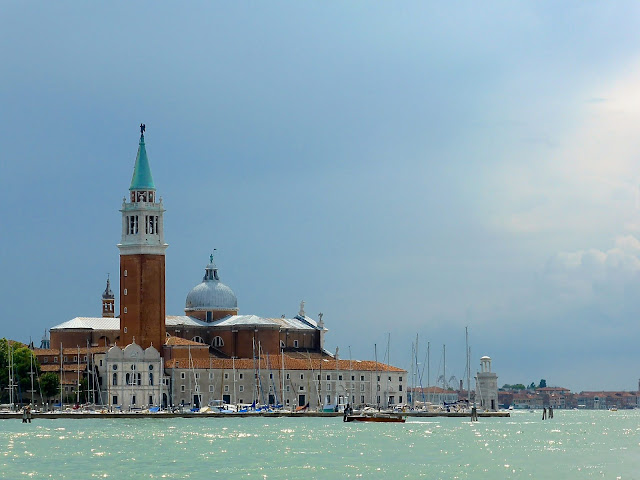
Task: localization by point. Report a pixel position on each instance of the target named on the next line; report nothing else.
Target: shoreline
(82, 415)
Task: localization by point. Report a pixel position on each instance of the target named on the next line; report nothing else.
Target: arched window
(198, 339)
(150, 378)
(114, 381)
(128, 379)
(217, 342)
(282, 344)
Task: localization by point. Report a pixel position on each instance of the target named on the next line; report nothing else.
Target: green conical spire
(142, 179)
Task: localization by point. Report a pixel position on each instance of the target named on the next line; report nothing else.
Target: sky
(405, 168)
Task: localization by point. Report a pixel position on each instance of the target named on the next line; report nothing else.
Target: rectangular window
(125, 311)
(115, 400)
(400, 379)
(197, 375)
(318, 377)
(210, 375)
(362, 387)
(378, 387)
(241, 388)
(65, 359)
(271, 376)
(226, 376)
(302, 376)
(400, 388)
(295, 344)
(353, 378)
(287, 376)
(85, 358)
(226, 388)
(288, 390)
(241, 376)
(45, 360)
(135, 230)
(210, 388)
(361, 398)
(125, 273)
(400, 399)
(182, 375)
(55, 359)
(146, 224)
(301, 388)
(75, 358)
(127, 222)
(378, 398)
(328, 377)
(182, 388)
(389, 378)
(100, 362)
(328, 399)
(125, 291)
(339, 377)
(155, 229)
(328, 387)
(378, 377)
(362, 378)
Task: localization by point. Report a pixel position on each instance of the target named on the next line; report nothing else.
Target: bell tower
(142, 265)
(108, 301)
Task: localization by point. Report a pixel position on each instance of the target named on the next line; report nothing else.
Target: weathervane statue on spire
(143, 127)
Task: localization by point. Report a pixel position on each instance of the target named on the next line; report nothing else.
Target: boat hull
(371, 418)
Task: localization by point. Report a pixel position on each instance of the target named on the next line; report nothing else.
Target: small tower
(108, 301)
(142, 259)
(487, 386)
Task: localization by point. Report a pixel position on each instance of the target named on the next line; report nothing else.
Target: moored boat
(375, 417)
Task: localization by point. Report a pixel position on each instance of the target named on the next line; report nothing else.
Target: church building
(144, 357)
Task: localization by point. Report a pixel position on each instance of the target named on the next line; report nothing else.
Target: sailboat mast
(61, 351)
(282, 376)
(466, 336)
(78, 376)
(444, 368)
(428, 368)
(375, 352)
(31, 374)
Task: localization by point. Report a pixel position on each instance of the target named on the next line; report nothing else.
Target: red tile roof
(290, 363)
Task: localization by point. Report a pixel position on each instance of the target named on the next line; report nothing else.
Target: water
(573, 445)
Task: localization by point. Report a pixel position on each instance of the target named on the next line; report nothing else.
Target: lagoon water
(573, 445)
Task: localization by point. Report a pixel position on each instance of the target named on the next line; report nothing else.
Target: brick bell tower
(142, 252)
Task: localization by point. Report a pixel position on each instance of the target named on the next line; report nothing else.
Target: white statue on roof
(301, 312)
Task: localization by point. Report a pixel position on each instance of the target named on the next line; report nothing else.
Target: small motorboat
(375, 417)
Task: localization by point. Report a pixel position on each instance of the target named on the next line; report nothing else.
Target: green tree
(50, 384)
(532, 386)
(543, 383)
(22, 362)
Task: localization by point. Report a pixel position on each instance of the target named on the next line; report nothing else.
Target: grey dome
(211, 294)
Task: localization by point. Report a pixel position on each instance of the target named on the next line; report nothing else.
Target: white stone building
(132, 378)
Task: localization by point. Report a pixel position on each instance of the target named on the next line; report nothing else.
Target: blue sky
(405, 168)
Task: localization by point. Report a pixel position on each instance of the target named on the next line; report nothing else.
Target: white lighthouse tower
(487, 386)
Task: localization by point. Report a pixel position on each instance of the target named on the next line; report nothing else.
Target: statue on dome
(301, 312)
(143, 127)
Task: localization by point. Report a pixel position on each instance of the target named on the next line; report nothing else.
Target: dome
(211, 294)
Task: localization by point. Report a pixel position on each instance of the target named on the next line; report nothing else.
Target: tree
(50, 384)
(22, 361)
(532, 386)
(543, 383)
